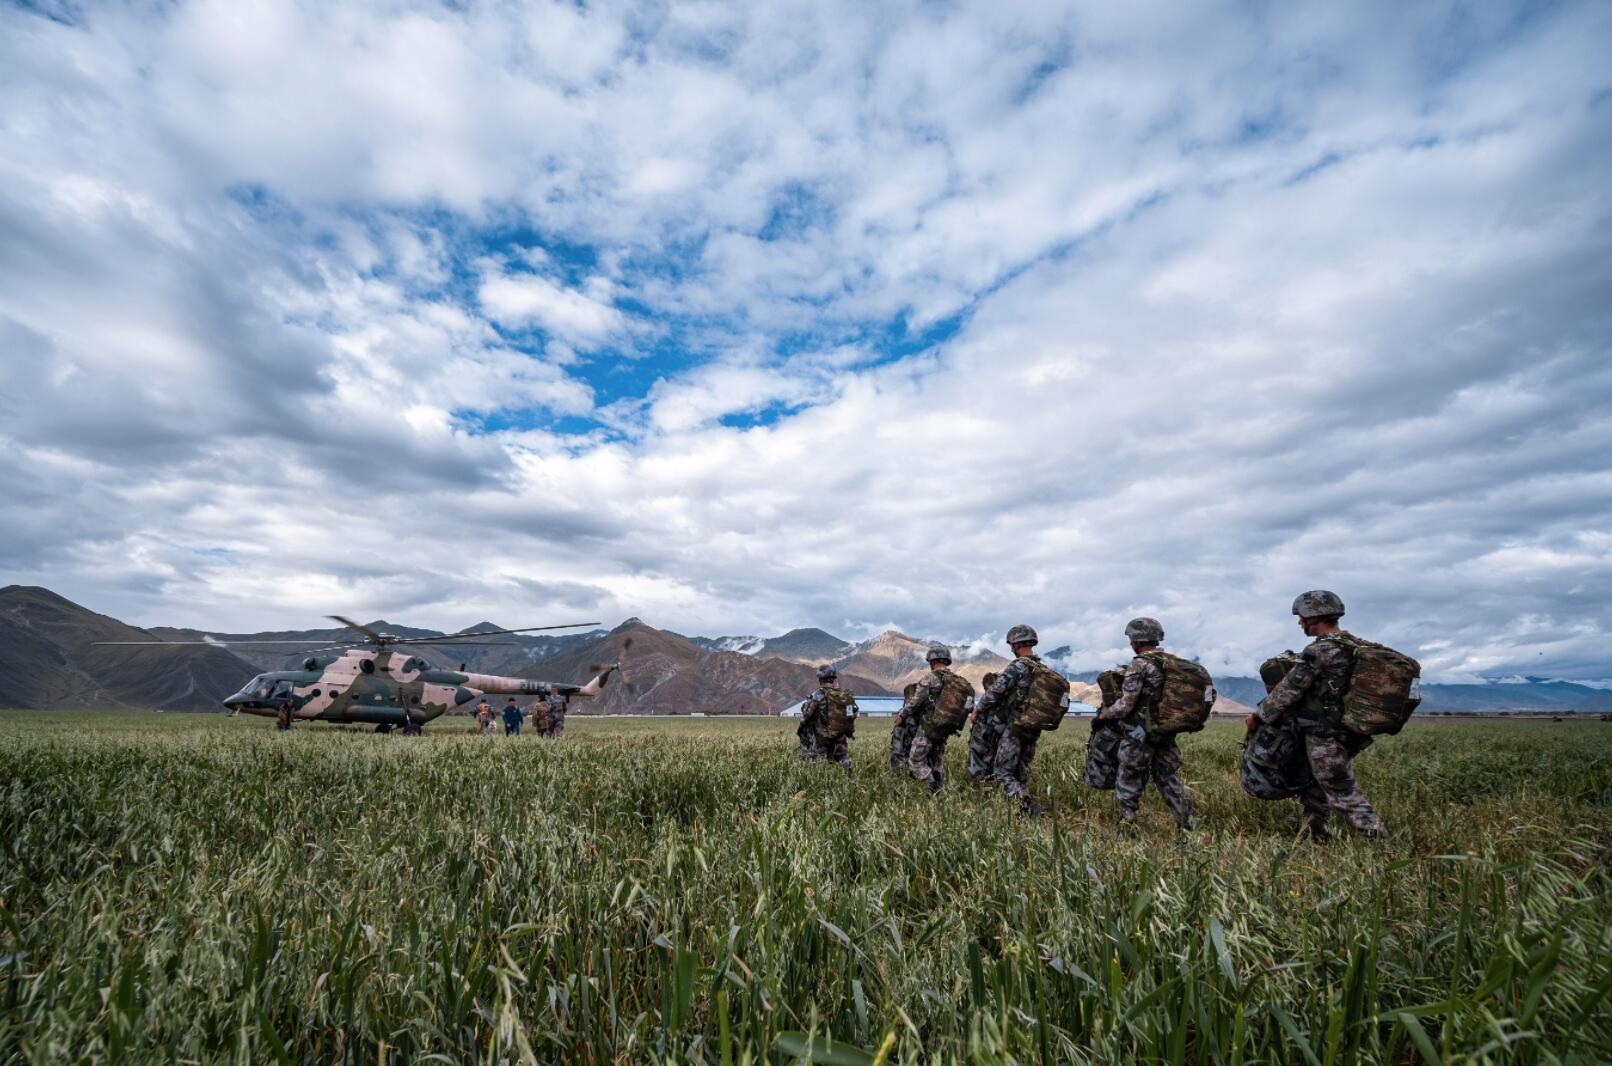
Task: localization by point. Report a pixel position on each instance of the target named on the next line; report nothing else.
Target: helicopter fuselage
(377, 687)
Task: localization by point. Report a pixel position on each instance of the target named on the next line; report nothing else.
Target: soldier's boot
(934, 783)
(1127, 826)
(1029, 808)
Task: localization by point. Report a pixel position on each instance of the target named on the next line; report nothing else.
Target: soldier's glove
(1251, 723)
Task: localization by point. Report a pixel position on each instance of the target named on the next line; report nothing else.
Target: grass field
(177, 887)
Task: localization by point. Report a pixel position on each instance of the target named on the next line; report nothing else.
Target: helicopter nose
(238, 701)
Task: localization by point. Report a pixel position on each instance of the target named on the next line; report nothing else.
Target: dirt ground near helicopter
(195, 886)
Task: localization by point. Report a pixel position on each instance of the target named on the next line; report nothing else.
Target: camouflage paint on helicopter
(378, 684)
(386, 688)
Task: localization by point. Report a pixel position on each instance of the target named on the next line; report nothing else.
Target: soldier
(935, 705)
(557, 707)
(286, 713)
(830, 713)
(901, 735)
(1312, 694)
(1142, 756)
(540, 717)
(1017, 705)
(512, 719)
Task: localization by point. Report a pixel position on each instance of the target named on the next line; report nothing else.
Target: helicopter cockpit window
(282, 689)
(261, 687)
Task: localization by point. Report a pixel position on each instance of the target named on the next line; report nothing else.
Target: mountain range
(47, 659)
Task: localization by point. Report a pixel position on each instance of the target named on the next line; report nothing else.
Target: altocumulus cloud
(746, 317)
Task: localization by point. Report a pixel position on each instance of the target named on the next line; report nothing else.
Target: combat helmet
(938, 651)
(1022, 634)
(827, 673)
(1144, 630)
(1318, 604)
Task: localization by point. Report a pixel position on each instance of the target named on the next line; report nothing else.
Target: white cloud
(1251, 302)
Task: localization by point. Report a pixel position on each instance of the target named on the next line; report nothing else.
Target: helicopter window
(367, 665)
(315, 693)
(282, 689)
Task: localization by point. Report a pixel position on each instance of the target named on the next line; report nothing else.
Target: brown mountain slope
(894, 660)
(663, 673)
(48, 659)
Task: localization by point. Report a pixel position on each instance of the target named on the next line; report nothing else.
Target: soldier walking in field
(1027, 698)
(540, 717)
(937, 705)
(1144, 754)
(1312, 695)
(285, 714)
(557, 708)
(830, 714)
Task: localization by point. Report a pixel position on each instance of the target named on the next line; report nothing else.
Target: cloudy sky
(740, 317)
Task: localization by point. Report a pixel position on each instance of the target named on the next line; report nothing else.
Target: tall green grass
(195, 888)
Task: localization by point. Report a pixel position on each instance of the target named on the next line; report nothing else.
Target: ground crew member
(1142, 757)
(512, 719)
(927, 759)
(484, 718)
(1015, 750)
(830, 713)
(1312, 695)
(557, 707)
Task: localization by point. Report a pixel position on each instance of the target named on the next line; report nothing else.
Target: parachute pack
(1272, 670)
(1189, 693)
(839, 714)
(951, 706)
(1274, 765)
(1384, 688)
(1110, 683)
(1046, 700)
(1102, 754)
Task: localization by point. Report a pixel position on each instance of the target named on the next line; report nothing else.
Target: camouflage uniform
(557, 703)
(927, 759)
(806, 731)
(901, 739)
(1312, 695)
(1140, 757)
(835, 750)
(1010, 762)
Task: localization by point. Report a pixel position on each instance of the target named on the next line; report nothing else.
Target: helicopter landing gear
(384, 727)
(411, 728)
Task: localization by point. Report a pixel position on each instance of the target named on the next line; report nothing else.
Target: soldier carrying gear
(1143, 752)
(829, 714)
(557, 708)
(1311, 695)
(985, 732)
(936, 705)
(1017, 707)
(902, 732)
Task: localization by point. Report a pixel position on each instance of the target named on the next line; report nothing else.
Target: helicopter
(383, 682)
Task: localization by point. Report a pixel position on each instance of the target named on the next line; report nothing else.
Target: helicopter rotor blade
(366, 630)
(192, 643)
(491, 633)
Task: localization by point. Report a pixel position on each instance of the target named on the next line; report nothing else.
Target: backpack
(1045, 701)
(1384, 688)
(839, 714)
(1189, 692)
(950, 709)
(1111, 683)
(1102, 754)
(1272, 670)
